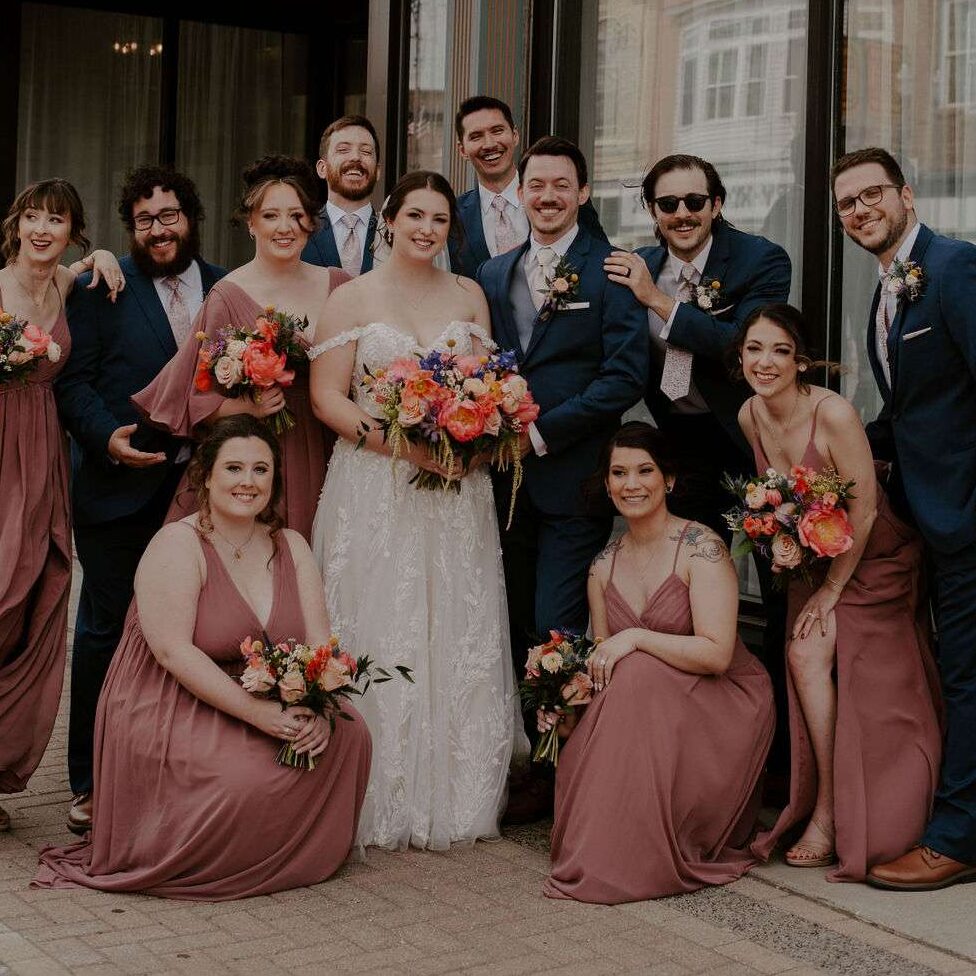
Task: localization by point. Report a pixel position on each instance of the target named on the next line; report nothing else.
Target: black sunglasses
(695, 202)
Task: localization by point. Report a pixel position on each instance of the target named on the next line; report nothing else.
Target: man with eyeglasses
(698, 287)
(124, 471)
(921, 340)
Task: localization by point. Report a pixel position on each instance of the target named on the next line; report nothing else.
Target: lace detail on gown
(415, 577)
(471, 329)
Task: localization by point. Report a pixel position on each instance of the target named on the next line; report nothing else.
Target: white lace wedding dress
(414, 577)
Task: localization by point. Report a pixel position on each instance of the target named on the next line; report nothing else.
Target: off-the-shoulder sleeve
(480, 333)
(351, 335)
(172, 401)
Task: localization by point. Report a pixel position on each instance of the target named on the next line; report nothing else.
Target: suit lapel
(879, 376)
(508, 264)
(655, 264)
(474, 227)
(904, 307)
(367, 264)
(718, 257)
(144, 292)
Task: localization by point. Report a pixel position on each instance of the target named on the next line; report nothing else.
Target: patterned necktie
(505, 236)
(349, 254)
(177, 313)
(883, 325)
(676, 374)
(539, 271)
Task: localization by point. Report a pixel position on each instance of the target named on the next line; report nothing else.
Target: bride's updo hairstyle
(205, 457)
(289, 170)
(421, 179)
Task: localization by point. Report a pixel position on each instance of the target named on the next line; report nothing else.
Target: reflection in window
(427, 81)
(959, 57)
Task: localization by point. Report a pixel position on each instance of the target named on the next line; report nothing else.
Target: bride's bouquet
(245, 361)
(556, 676)
(321, 678)
(792, 520)
(22, 347)
(458, 407)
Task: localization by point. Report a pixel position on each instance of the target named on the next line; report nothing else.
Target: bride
(413, 576)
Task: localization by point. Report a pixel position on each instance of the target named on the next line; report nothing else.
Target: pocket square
(574, 306)
(916, 333)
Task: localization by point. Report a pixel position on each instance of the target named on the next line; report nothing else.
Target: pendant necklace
(767, 423)
(238, 550)
(38, 305)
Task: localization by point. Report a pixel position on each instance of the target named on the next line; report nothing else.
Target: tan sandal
(806, 856)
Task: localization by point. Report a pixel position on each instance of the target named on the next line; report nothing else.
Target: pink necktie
(349, 255)
(883, 325)
(676, 373)
(177, 313)
(505, 236)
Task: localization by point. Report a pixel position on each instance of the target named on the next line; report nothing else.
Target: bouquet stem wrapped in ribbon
(245, 361)
(321, 678)
(793, 520)
(556, 677)
(22, 347)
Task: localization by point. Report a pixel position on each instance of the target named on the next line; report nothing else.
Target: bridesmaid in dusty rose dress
(189, 802)
(863, 690)
(279, 207)
(656, 789)
(35, 529)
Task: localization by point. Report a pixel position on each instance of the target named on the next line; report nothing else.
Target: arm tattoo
(705, 544)
(609, 550)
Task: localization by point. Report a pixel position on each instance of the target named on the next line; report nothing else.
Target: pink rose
(493, 421)
(560, 286)
(514, 390)
(228, 371)
(826, 531)
(786, 553)
(292, 686)
(469, 364)
(34, 341)
(17, 358)
(265, 367)
(411, 412)
(532, 662)
(578, 690)
(462, 419)
(528, 410)
(256, 679)
(755, 495)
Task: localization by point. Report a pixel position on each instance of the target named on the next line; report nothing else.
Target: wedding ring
(626, 274)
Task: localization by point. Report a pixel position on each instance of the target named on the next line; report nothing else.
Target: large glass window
(427, 83)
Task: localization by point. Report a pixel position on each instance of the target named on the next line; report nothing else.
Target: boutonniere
(707, 295)
(905, 280)
(561, 289)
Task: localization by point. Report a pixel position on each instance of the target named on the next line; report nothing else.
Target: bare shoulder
(703, 544)
(296, 543)
(174, 549)
(745, 416)
(64, 279)
(600, 567)
(837, 412)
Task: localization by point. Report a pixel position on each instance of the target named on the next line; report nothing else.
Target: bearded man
(124, 472)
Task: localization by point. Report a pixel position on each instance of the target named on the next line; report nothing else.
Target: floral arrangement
(22, 347)
(245, 361)
(905, 279)
(793, 520)
(707, 295)
(556, 676)
(561, 289)
(321, 678)
(459, 407)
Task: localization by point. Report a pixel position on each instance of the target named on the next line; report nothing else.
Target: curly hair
(55, 196)
(277, 168)
(140, 183)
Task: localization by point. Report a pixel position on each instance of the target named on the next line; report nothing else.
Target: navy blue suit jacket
(322, 250)
(467, 258)
(585, 367)
(930, 407)
(116, 350)
(753, 272)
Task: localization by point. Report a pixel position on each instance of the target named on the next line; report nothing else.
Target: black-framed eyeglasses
(869, 196)
(166, 217)
(695, 202)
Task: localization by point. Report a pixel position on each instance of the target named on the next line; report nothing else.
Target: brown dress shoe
(921, 869)
(80, 814)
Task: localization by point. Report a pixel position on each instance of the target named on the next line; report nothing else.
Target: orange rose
(826, 531)
(462, 419)
(265, 367)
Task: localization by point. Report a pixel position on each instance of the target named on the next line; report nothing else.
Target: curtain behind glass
(242, 94)
(89, 105)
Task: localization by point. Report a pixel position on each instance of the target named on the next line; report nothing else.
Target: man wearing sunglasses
(124, 471)
(921, 340)
(698, 286)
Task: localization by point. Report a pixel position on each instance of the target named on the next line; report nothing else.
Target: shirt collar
(904, 252)
(336, 213)
(560, 247)
(189, 277)
(698, 261)
(510, 193)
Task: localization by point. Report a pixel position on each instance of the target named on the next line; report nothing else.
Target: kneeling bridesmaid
(189, 802)
(656, 790)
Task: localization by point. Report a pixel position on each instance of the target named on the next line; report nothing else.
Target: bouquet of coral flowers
(793, 520)
(245, 361)
(459, 407)
(22, 347)
(320, 678)
(556, 676)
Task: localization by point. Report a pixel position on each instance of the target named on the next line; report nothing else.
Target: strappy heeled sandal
(807, 856)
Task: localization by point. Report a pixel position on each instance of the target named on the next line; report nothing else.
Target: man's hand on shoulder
(630, 270)
(121, 450)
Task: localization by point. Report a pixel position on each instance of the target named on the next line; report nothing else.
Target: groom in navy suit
(584, 355)
(922, 347)
(349, 160)
(124, 472)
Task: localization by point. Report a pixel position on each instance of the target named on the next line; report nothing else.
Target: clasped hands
(307, 731)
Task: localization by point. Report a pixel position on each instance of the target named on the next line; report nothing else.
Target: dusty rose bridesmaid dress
(888, 741)
(656, 789)
(189, 802)
(35, 565)
(171, 401)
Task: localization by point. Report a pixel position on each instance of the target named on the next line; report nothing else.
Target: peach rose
(256, 679)
(411, 412)
(265, 367)
(493, 421)
(292, 686)
(829, 499)
(477, 388)
(228, 371)
(755, 495)
(560, 286)
(34, 341)
(552, 661)
(786, 553)
(532, 662)
(462, 420)
(528, 410)
(826, 531)
(514, 390)
(335, 675)
(17, 357)
(469, 364)
(267, 329)
(578, 690)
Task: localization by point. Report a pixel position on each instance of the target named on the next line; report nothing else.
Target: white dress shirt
(891, 301)
(520, 223)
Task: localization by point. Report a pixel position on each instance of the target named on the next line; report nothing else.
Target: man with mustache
(124, 471)
(349, 162)
(492, 215)
(689, 392)
(921, 341)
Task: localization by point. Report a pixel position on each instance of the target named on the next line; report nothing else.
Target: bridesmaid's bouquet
(458, 407)
(321, 678)
(22, 347)
(245, 361)
(556, 676)
(792, 520)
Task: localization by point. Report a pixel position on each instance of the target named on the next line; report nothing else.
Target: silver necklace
(767, 423)
(39, 305)
(238, 550)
